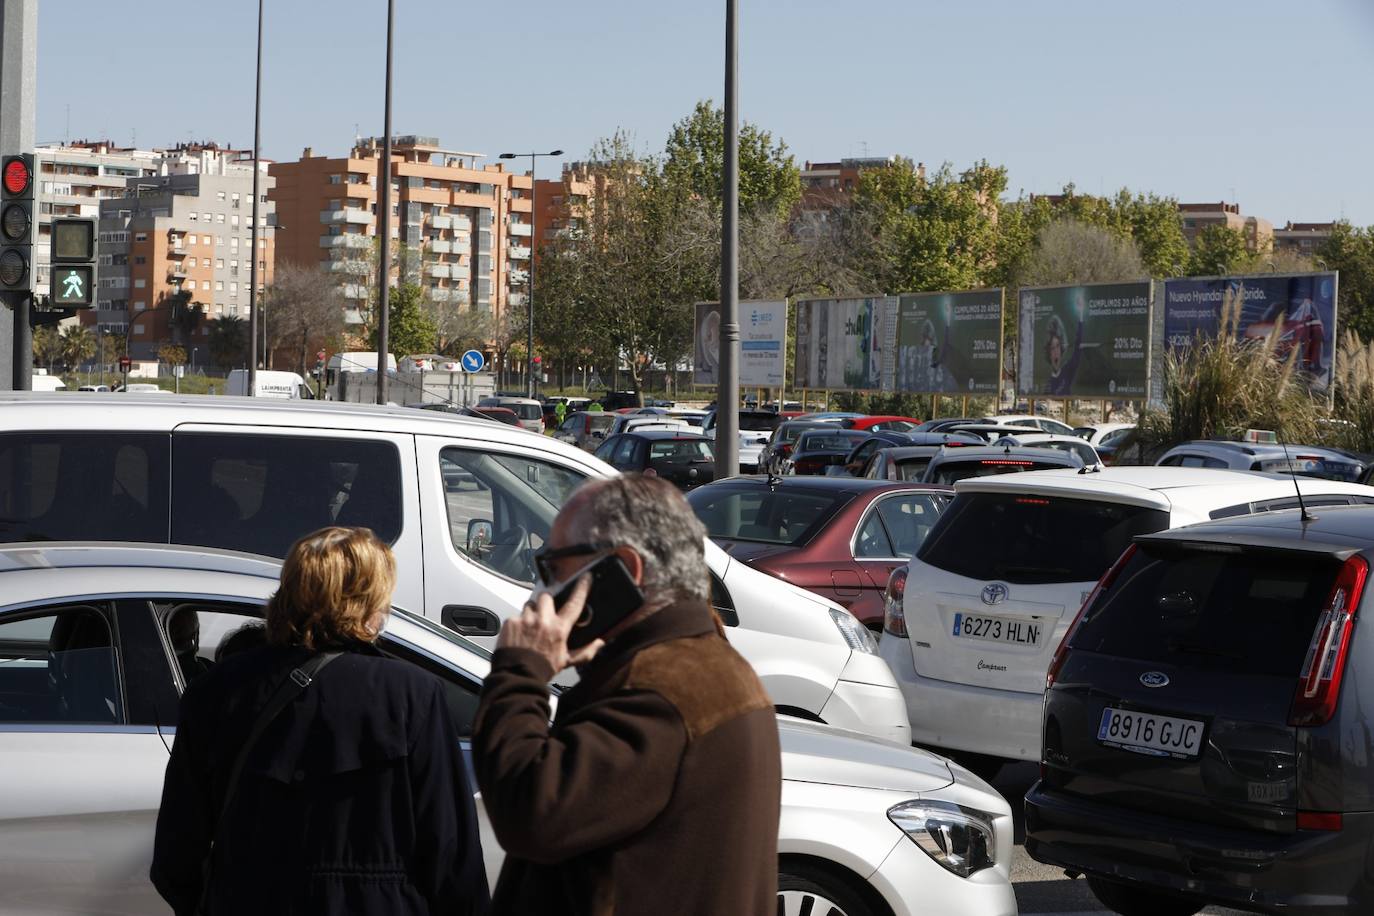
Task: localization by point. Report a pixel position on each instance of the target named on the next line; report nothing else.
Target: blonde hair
(336, 587)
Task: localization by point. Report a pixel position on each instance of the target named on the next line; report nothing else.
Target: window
(790, 516)
(190, 240)
(261, 493)
(192, 216)
(190, 262)
(140, 283)
(219, 218)
(140, 259)
(219, 263)
(58, 666)
(908, 519)
(219, 195)
(204, 284)
(219, 286)
(234, 223)
(517, 496)
(83, 486)
(233, 289)
(624, 454)
(872, 540)
(140, 305)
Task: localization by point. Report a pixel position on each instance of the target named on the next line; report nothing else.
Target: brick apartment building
(186, 230)
(1302, 238)
(467, 226)
(561, 203)
(1258, 232)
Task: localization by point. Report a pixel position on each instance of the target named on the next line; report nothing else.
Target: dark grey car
(1198, 745)
(950, 465)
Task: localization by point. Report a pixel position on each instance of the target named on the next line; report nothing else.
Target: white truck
(268, 383)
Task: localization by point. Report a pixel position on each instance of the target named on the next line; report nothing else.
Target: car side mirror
(480, 532)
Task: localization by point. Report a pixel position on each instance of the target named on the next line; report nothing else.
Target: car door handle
(470, 621)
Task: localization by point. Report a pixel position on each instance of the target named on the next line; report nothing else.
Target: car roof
(1043, 438)
(90, 554)
(982, 453)
(683, 433)
(1329, 529)
(1160, 487)
(898, 452)
(808, 482)
(1253, 449)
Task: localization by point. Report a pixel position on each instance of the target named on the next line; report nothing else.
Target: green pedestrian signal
(73, 254)
(71, 286)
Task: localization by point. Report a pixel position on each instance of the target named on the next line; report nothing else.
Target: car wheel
(810, 892)
(1139, 900)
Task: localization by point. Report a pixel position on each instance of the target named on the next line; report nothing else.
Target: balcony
(524, 230)
(462, 224)
(347, 240)
(347, 215)
(519, 277)
(176, 273)
(441, 295)
(442, 246)
(441, 222)
(519, 253)
(515, 299)
(355, 291)
(459, 271)
(176, 251)
(438, 270)
(347, 266)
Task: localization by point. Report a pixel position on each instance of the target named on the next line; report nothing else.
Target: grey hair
(650, 516)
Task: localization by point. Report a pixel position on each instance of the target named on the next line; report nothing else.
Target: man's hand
(544, 629)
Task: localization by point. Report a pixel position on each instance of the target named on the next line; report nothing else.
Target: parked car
(1206, 739)
(1109, 439)
(936, 425)
(951, 465)
(585, 429)
(881, 424)
(529, 411)
(909, 462)
(629, 422)
(685, 459)
(818, 449)
(755, 426)
(462, 502)
(1085, 452)
(91, 703)
(1305, 460)
(833, 416)
(94, 388)
(1044, 424)
(995, 585)
(837, 537)
(780, 444)
(858, 457)
(614, 400)
(988, 432)
(496, 414)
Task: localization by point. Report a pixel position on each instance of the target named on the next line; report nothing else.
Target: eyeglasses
(544, 559)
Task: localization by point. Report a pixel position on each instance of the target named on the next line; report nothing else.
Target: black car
(684, 459)
(818, 449)
(1207, 735)
(781, 442)
(615, 400)
(858, 461)
(909, 462)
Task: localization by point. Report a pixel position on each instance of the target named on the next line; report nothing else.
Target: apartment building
(1258, 232)
(462, 230)
(561, 203)
(1303, 238)
(187, 230)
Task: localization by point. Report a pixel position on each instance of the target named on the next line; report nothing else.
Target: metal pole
(529, 292)
(253, 243)
(18, 81)
(384, 224)
(727, 392)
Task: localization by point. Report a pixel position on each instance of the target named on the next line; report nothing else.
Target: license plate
(1143, 733)
(1011, 630)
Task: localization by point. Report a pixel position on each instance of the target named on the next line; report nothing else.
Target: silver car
(89, 687)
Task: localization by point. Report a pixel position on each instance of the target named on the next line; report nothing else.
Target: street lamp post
(253, 238)
(384, 224)
(529, 287)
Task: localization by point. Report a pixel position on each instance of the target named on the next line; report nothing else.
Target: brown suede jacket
(655, 790)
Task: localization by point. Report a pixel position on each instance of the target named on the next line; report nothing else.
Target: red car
(840, 537)
(882, 424)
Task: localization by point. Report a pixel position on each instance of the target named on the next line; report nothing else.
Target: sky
(1257, 101)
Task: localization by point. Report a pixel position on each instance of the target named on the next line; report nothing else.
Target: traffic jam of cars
(1175, 646)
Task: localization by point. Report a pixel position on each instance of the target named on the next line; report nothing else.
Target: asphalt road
(1042, 890)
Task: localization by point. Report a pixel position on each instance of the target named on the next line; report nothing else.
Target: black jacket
(355, 800)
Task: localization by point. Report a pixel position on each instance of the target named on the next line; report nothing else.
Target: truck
(286, 386)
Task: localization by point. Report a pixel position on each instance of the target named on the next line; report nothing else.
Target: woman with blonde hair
(315, 774)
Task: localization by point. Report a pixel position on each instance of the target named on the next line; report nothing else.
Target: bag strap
(290, 688)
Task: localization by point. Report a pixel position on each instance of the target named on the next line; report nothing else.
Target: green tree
(78, 345)
(411, 329)
(1155, 225)
(47, 346)
(1351, 251)
(228, 342)
(694, 163)
(1218, 250)
(172, 355)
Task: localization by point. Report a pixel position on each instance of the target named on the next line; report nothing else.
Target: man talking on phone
(656, 787)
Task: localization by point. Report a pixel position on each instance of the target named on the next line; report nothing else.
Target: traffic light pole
(18, 79)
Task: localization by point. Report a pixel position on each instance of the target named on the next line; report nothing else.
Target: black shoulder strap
(293, 686)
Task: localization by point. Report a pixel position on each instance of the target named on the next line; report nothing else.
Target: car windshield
(1034, 539)
(783, 516)
(680, 450)
(827, 441)
(1237, 613)
(758, 422)
(948, 472)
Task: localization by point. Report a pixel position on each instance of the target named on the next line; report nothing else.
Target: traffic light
(72, 252)
(17, 223)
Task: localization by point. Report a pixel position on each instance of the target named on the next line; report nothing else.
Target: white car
(1104, 433)
(972, 623)
(91, 691)
(630, 422)
(463, 502)
(1083, 450)
(755, 428)
(1029, 419)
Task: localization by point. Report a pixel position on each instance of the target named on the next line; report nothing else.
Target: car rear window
(679, 450)
(948, 472)
(758, 422)
(1242, 613)
(1034, 539)
(526, 411)
(765, 516)
(912, 468)
(828, 441)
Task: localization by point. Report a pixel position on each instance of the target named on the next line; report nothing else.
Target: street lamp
(253, 242)
(529, 288)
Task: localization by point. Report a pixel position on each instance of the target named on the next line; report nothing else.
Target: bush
(1354, 380)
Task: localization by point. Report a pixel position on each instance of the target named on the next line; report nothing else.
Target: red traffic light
(17, 176)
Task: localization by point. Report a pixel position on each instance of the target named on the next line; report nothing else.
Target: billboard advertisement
(1304, 304)
(1085, 341)
(762, 344)
(949, 343)
(846, 343)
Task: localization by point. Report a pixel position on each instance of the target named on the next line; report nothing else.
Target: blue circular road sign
(473, 361)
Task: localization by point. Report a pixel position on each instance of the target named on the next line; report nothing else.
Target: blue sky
(1259, 101)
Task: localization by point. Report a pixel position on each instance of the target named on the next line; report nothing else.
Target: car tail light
(1319, 683)
(1061, 654)
(894, 614)
(785, 448)
(1319, 820)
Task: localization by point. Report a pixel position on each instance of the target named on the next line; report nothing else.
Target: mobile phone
(612, 597)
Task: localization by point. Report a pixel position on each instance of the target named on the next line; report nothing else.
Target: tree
(410, 328)
(358, 279)
(1351, 251)
(1155, 225)
(47, 346)
(1067, 251)
(110, 347)
(1218, 250)
(78, 345)
(694, 164)
(303, 313)
(228, 342)
(172, 355)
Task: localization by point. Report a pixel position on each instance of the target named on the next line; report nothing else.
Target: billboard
(846, 343)
(949, 343)
(1304, 303)
(762, 344)
(1085, 341)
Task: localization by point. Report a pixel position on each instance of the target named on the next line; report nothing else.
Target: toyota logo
(1154, 679)
(995, 593)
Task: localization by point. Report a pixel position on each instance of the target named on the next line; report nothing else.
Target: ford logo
(995, 593)
(1154, 679)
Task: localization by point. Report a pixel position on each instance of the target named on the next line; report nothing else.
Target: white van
(287, 386)
(464, 503)
(972, 623)
(47, 382)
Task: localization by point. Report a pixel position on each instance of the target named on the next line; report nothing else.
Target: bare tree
(304, 311)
